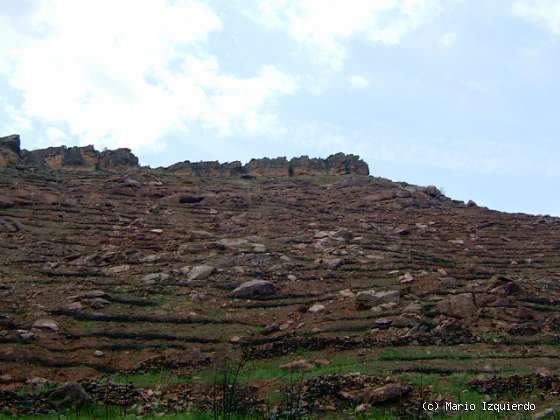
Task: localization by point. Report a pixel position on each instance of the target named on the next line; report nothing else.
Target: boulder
(46, 324)
(155, 278)
(232, 243)
(458, 306)
(254, 289)
(316, 308)
(333, 263)
(385, 393)
(200, 272)
(370, 298)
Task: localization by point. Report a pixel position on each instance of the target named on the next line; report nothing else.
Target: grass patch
(163, 377)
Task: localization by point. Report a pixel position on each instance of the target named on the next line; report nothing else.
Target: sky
(454, 93)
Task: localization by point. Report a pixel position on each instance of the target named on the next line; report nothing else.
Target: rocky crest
(56, 158)
(88, 159)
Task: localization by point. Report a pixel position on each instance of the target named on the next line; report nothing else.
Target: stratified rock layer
(338, 164)
(69, 158)
(88, 159)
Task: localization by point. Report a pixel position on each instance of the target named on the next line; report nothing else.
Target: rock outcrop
(88, 159)
(338, 164)
(64, 158)
(10, 152)
(206, 169)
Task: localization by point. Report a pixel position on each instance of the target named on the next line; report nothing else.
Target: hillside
(110, 270)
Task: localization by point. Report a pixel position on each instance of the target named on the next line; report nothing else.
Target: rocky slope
(140, 270)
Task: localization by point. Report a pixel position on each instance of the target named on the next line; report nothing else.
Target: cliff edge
(86, 158)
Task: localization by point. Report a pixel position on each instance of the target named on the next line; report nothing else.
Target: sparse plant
(228, 397)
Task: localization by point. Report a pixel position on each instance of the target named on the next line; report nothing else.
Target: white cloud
(127, 73)
(543, 13)
(448, 40)
(324, 28)
(358, 81)
(55, 134)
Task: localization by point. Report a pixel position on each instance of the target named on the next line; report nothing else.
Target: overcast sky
(458, 94)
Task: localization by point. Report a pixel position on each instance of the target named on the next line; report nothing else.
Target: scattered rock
(385, 393)
(406, 278)
(370, 298)
(75, 306)
(97, 303)
(254, 289)
(118, 269)
(316, 308)
(347, 293)
(259, 248)
(232, 243)
(383, 323)
(459, 306)
(200, 272)
(37, 381)
(155, 278)
(46, 324)
(271, 328)
(25, 335)
(333, 263)
(6, 379)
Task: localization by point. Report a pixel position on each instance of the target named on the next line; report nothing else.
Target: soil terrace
(107, 274)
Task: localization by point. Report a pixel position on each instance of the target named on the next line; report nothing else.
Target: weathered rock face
(88, 159)
(9, 150)
(338, 164)
(268, 167)
(206, 169)
(56, 158)
(305, 166)
(117, 159)
(68, 158)
(341, 164)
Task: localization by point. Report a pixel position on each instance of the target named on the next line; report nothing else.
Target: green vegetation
(159, 378)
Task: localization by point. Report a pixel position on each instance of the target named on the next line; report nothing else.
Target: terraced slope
(123, 275)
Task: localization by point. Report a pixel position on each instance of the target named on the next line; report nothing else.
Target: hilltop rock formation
(69, 158)
(88, 159)
(203, 169)
(338, 164)
(10, 152)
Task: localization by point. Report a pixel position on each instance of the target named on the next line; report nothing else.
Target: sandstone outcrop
(206, 169)
(338, 164)
(10, 152)
(66, 158)
(88, 159)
